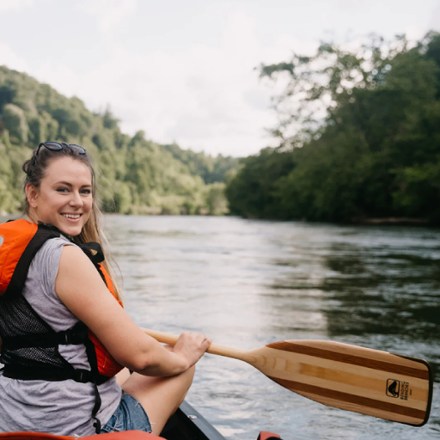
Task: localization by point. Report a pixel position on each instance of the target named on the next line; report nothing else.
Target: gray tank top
(63, 407)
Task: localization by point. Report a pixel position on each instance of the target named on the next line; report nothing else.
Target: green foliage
(135, 175)
(216, 201)
(14, 118)
(359, 138)
(210, 169)
(414, 181)
(253, 192)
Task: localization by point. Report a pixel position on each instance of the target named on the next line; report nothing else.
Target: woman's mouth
(71, 216)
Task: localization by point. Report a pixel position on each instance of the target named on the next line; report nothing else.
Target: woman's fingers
(192, 345)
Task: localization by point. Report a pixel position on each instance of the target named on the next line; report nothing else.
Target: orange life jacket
(19, 242)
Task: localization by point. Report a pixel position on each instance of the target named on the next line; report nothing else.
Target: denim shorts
(128, 415)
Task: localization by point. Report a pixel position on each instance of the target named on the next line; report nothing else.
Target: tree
(318, 84)
(14, 120)
(363, 133)
(253, 191)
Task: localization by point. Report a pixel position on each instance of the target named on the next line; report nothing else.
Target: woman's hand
(191, 346)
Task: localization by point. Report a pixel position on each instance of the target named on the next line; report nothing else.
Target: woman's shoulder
(43, 272)
(48, 256)
(56, 242)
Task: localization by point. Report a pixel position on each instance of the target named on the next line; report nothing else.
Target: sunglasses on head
(59, 146)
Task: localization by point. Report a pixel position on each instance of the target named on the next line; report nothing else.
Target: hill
(136, 175)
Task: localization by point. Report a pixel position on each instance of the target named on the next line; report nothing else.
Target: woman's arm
(80, 287)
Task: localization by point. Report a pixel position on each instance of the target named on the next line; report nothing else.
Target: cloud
(434, 23)
(201, 96)
(9, 58)
(109, 14)
(184, 72)
(14, 5)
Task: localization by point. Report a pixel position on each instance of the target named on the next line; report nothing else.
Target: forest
(136, 175)
(358, 141)
(358, 137)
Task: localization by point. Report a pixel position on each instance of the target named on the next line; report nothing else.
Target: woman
(63, 293)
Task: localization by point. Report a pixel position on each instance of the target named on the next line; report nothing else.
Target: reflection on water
(248, 283)
(385, 289)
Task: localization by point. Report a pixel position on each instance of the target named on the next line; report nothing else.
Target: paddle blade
(352, 378)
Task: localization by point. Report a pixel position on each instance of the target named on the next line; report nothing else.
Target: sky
(186, 71)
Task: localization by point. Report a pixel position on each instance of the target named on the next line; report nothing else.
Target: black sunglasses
(57, 146)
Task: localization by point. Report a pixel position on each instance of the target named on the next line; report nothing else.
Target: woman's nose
(76, 199)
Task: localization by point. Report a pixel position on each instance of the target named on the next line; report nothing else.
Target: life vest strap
(75, 335)
(50, 374)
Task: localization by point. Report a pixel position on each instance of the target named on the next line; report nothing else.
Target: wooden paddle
(353, 378)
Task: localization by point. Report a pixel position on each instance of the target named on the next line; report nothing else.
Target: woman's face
(64, 198)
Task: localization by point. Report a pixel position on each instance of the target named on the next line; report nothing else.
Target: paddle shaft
(167, 338)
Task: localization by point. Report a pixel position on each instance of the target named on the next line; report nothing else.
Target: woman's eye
(86, 191)
(62, 189)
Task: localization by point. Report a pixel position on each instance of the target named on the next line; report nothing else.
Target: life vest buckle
(82, 376)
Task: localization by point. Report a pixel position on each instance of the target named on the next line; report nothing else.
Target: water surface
(247, 283)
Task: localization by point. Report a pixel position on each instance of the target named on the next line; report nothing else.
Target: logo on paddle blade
(397, 389)
(393, 388)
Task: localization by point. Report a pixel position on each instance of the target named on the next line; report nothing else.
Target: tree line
(358, 141)
(358, 137)
(135, 174)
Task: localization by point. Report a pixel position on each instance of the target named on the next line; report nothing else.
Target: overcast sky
(184, 70)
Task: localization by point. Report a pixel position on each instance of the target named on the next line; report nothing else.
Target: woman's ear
(31, 195)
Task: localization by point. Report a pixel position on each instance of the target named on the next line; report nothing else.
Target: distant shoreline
(367, 221)
(393, 221)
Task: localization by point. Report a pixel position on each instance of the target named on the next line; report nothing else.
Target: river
(246, 283)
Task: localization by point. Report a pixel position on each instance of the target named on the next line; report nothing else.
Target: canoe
(188, 424)
(185, 424)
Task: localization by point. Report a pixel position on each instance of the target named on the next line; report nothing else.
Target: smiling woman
(64, 198)
(61, 318)
(59, 187)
